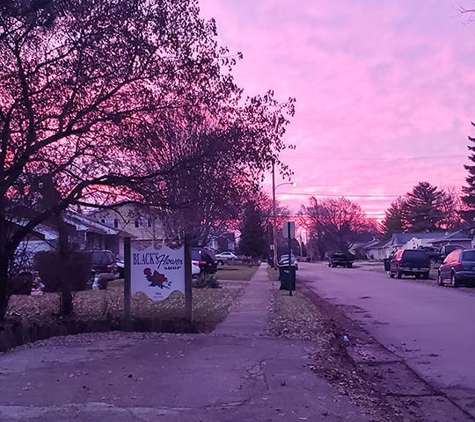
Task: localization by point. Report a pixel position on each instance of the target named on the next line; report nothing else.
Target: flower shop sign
(157, 272)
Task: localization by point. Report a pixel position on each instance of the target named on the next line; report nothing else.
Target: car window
(468, 256)
(102, 257)
(195, 255)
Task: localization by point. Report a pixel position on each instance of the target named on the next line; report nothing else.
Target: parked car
(195, 266)
(458, 268)
(341, 259)
(103, 267)
(414, 262)
(206, 260)
(446, 250)
(103, 261)
(284, 261)
(434, 253)
(223, 257)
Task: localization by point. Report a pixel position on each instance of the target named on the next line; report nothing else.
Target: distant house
(381, 250)
(140, 221)
(83, 233)
(416, 240)
(456, 238)
(225, 242)
(376, 249)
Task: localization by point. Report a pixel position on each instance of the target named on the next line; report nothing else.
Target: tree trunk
(65, 262)
(4, 296)
(5, 257)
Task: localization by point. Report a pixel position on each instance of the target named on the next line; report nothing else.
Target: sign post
(127, 283)
(289, 233)
(188, 289)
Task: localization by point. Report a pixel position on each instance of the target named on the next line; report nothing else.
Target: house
(398, 241)
(455, 238)
(141, 222)
(417, 240)
(83, 233)
(225, 242)
(376, 249)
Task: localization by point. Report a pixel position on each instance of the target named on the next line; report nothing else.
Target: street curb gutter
(402, 388)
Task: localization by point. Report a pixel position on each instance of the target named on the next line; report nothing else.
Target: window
(468, 256)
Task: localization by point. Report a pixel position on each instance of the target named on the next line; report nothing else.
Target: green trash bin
(387, 264)
(287, 277)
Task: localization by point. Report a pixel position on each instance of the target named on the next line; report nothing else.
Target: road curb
(400, 386)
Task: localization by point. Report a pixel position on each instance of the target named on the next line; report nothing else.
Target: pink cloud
(378, 84)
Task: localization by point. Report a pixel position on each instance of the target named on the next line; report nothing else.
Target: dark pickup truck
(340, 259)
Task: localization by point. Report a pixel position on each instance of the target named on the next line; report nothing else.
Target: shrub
(21, 284)
(52, 271)
(206, 281)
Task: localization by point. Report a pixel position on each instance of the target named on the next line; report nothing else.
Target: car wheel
(417, 276)
(439, 279)
(425, 276)
(453, 281)
(399, 274)
(330, 265)
(391, 275)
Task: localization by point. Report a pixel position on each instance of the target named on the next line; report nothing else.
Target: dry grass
(210, 306)
(236, 272)
(296, 317)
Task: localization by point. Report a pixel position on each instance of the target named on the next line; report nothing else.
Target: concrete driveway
(238, 373)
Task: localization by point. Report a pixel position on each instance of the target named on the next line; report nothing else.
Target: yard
(210, 306)
(242, 272)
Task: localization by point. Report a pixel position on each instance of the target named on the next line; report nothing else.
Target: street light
(274, 212)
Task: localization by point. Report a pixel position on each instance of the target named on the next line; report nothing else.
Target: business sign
(157, 272)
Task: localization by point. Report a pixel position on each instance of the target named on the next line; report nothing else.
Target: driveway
(431, 328)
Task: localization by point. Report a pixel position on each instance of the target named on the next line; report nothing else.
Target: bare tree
(335, 223)
(108, 98)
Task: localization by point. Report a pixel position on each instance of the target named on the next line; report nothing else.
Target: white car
(195, 268)
(223, 257)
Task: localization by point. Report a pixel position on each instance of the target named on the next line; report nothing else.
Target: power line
(347, 195)
(414, 157)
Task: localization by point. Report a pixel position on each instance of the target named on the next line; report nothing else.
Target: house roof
(457, 236)
(399, 239)
(84, 223)
(377, 244)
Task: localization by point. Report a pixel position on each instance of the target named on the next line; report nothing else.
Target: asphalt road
(431, 328)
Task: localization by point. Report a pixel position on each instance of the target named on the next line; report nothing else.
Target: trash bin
(387, 264)
(287, 277)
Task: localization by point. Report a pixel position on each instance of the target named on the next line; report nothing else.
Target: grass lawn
(210, 306)
(236, 272)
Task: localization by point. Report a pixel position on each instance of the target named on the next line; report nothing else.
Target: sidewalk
(238, 373)
(249, 317)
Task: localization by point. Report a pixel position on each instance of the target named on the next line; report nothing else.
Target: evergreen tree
(424, 208)
(394, 221)
(253, 234)
(468, 198)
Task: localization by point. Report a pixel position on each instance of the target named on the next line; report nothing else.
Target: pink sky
(385, 90)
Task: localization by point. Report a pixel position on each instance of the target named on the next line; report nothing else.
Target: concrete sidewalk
(248, 318)
(238, 373)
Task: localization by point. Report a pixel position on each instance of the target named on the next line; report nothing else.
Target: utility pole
(274, 215)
